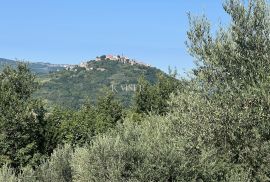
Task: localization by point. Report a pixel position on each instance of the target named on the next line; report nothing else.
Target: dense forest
(212, 125)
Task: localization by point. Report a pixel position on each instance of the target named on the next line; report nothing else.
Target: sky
(71, 31)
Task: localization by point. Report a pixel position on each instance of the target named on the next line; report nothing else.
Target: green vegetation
(154, 98)
(29, 133)
(22, 123)
(79, 127)
(71, 88)
(212, 127)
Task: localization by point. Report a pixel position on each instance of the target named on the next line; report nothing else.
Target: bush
(57, 168)
(147, 152)
(7, 174)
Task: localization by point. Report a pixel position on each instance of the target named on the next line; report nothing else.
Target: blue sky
(71, 31)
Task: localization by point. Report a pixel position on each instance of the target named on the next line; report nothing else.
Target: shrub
(132, 152)
(7, 174)
(57, 168)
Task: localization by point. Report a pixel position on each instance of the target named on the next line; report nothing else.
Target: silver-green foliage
(7, 174)
(132, 152)
(57, 168)
(227, 108)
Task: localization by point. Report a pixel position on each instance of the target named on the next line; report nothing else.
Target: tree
(109, 112)
(154, 98)
(165, 86)
(143, 97)
(224, 114)
(22, 123)
(78, 127)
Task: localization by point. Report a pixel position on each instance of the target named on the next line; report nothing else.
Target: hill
(36, 67)
(72, 86)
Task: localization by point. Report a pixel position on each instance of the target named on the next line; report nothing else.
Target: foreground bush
(151, 151)
(57, 168)
(147, 152)
(7, 174)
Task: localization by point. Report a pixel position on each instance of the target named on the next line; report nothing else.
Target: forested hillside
(213, 126)
(70, 88)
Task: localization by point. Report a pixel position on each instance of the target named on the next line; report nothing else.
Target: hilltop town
(122, 59)
(118, 58)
